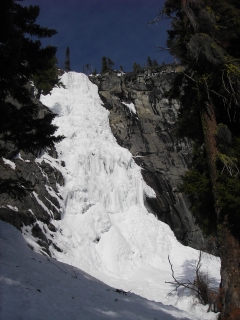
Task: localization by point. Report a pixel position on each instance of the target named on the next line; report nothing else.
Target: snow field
(33, 286)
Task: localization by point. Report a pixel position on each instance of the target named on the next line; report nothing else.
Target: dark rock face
(41, 202)
(38, 180)
(149, 135)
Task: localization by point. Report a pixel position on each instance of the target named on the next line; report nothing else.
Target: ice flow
(105, 228)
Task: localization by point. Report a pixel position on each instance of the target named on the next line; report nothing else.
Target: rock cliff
(143, 121)
(29, 187)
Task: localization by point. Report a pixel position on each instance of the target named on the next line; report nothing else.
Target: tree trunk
(230, 246)
(209, 124)
(230, 274)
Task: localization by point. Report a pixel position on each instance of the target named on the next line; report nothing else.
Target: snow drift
(33, 286)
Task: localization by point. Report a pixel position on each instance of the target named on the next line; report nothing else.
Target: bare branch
(189, 77)
(160, 16)
(187, 285)
(200, 286)
(162, 49)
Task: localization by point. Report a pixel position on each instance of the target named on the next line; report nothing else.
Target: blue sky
(117, 29)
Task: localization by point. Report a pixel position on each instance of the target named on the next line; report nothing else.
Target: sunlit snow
(105, 229)
(131, 107)
(9, 163)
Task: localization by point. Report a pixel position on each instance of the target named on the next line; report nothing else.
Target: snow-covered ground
(105, 229)
(34, 287)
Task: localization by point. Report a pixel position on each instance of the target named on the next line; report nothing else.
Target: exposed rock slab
(149, 135)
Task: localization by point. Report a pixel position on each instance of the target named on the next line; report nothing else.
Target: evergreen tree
(22, 59)
(45, 80)
(88, 68)
(136, 67)
(104, 65)
(20, 56)
(149, 62)
(94, 72)
(67, 60)
(110, 63)
(107, 64)
(205, 37)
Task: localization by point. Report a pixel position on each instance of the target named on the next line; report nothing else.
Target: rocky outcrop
(143, 121)
(29, 188)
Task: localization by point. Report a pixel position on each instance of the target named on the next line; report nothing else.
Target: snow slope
(33, 286)
(105, 229)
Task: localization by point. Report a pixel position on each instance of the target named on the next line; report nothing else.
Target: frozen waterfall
(105, 228)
